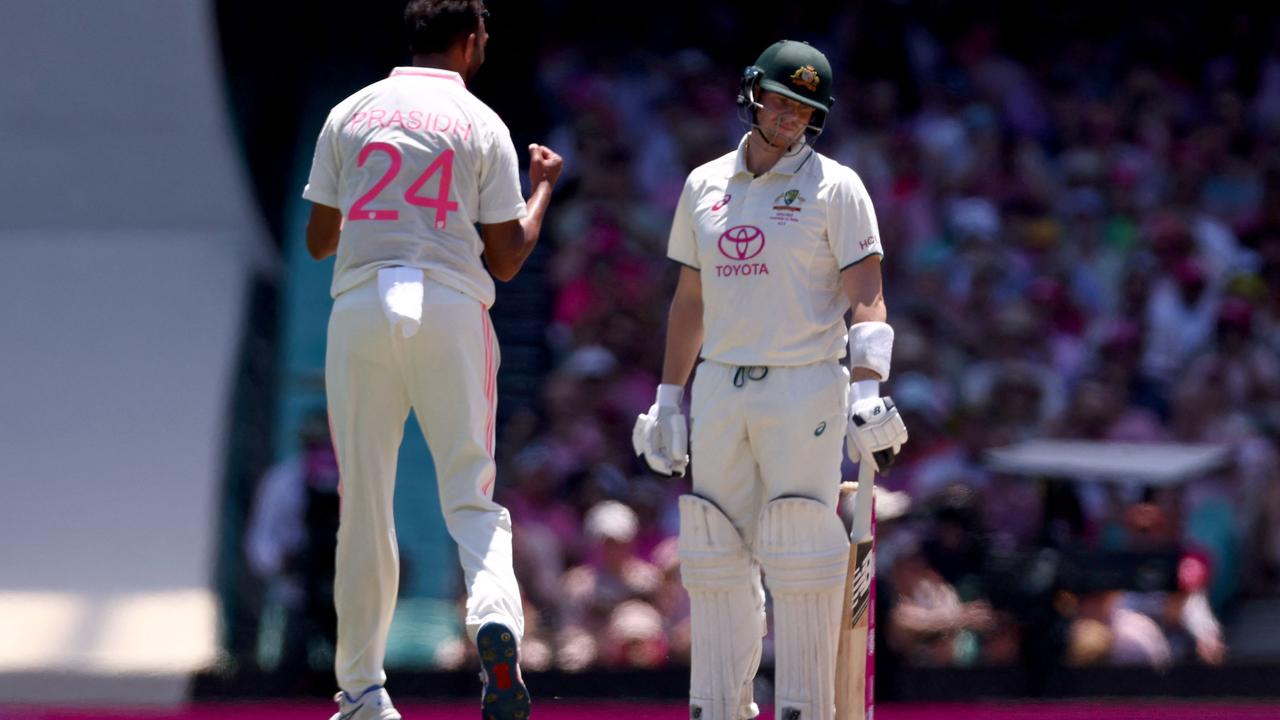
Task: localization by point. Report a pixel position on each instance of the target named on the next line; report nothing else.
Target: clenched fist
(544, 165)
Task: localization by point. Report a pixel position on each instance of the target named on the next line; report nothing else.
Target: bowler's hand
(544, 165)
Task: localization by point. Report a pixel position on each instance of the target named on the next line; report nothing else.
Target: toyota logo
(741, 242)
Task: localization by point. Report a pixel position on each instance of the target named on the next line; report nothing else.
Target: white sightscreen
(127, 238)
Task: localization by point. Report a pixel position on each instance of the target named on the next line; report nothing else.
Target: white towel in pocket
(401, 291)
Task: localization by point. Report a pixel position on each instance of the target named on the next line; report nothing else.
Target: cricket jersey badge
(790, 200)
(787, 206)
(806, 77)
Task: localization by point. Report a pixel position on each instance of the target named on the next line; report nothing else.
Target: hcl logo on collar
(741, 242)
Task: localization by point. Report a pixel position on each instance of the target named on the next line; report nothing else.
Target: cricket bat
(855, 654)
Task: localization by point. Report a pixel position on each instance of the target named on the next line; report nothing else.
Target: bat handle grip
(862, 501)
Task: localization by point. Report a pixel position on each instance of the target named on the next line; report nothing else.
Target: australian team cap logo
(806, 77)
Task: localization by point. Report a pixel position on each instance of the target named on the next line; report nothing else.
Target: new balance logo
(790, 714)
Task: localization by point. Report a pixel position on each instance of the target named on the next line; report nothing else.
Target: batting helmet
(793, 69)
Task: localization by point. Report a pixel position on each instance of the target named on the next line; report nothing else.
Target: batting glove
(875, 433)
(661, 435)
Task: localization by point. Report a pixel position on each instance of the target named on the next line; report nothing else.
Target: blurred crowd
(1087, 248)
(1080, 244)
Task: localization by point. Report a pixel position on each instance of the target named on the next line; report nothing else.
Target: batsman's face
(783, 116)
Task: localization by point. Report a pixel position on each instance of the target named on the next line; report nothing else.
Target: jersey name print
(422, 161)
(424, 120)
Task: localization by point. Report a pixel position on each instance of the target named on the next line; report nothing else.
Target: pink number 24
(441, 202)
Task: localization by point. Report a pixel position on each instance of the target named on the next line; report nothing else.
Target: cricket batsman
(777, 242)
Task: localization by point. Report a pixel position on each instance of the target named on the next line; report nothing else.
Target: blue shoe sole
(505, 697)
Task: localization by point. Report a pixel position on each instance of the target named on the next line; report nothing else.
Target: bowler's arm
(507, 245)
(323, 229)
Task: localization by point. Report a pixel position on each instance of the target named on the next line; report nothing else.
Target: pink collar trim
(429, 72)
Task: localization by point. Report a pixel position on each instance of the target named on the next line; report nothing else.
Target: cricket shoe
(372, 704)
(505, 697)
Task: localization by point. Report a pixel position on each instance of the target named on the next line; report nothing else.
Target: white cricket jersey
(414, 162)
(770, 250)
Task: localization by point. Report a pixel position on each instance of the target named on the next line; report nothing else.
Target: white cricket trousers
(447, 374)
(758, 435)
(756, 438)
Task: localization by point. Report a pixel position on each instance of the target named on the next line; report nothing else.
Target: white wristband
(871, 347)
(864, 390)
(670, 395)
